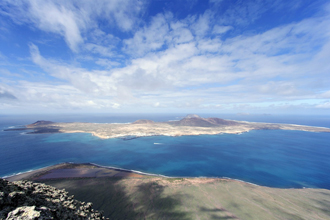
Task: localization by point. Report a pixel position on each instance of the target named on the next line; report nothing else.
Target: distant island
(189, 125)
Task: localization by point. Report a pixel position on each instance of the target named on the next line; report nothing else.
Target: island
(189, 125)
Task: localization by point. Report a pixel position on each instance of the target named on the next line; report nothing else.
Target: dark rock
(39, 123)
(28, 200)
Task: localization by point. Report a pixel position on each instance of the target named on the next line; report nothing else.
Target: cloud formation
(219, 58)
(6, 95)
(72, 19)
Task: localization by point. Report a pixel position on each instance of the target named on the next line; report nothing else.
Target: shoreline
(30, 174)
(38, 174)
(187, 126)
(151, 135)
(200, 196)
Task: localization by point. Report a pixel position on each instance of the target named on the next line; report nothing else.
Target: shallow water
(274, 158)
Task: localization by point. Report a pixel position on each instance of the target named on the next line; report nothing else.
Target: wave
(240, 180)
(15, 174)
(149, 174)
(127, 170)
(133, 171)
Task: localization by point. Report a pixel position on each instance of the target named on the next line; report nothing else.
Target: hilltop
(197, 121)
(29, 200)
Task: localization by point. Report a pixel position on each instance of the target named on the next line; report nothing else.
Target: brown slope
(39, 123)
(143, 121)
(219, 121)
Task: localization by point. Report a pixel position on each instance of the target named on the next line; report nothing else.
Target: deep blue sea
(275, 158)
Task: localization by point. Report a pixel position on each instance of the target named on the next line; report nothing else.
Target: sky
(165, 56)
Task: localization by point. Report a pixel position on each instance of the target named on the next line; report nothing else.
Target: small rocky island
(190, 125)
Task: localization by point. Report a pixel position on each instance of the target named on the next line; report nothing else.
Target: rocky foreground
(123, 195)
(28, 200)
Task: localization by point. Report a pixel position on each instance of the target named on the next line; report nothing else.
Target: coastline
(182, 128)
(190, 125)
(199, 198)
(149, 135)
(123, 136)
(35, 174)
(47, 173)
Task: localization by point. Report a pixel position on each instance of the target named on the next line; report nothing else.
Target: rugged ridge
(28, 200)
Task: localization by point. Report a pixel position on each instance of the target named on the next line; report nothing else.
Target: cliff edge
(28, 200)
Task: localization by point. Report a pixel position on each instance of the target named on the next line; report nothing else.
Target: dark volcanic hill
(28, 200)
(39, 123)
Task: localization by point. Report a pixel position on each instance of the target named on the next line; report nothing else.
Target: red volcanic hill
(195, 120)
(143, 121)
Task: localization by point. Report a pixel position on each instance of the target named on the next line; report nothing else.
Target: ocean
(274, 158)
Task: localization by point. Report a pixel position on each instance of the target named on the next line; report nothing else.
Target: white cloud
(210, 45)
(202, 24)
(180, 32)
(5, 94)
(72, 19)
(98, 49)
(109, 64)
(183, 63)
(36, 96)
(239, 69)
(325, 105)
(217, 29)
(52, 17)
(79, 78)
(149, 38)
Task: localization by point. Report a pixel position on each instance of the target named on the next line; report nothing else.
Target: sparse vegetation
(195, 198)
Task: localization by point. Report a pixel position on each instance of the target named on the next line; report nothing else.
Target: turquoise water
(274, 158)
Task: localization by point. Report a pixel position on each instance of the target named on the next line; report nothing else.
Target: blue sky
(221, 56)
